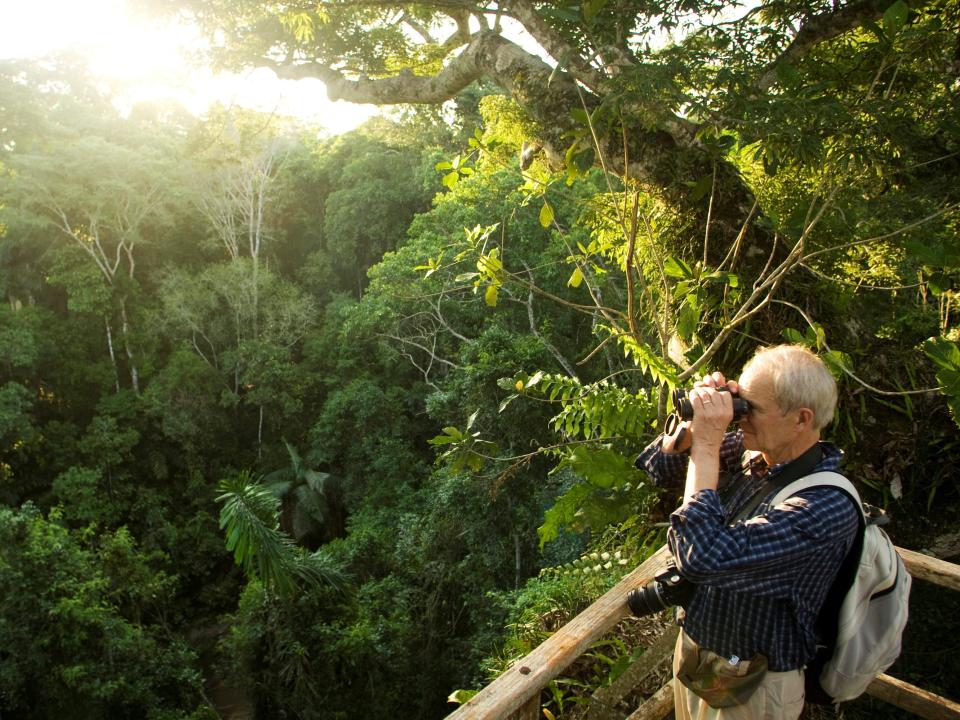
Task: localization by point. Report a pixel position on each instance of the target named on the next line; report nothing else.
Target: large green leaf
(946, 356)
(602, 467)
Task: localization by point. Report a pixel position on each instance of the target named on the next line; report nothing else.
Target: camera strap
(793, 470)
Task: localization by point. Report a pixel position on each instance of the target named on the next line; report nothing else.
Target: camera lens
(665, 590)
(646, 600)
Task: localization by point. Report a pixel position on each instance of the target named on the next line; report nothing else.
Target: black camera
(665, 590)
(683, 409)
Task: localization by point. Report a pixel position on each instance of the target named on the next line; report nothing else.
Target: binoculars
(683, 409)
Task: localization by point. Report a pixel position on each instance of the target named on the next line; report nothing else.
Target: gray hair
(800, 380)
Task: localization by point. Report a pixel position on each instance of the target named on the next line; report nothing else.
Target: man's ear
(805, 417)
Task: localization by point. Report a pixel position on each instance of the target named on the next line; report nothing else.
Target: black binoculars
(683, 409)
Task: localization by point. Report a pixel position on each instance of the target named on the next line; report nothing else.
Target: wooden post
(657, 706)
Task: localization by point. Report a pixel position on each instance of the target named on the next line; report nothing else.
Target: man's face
(766, 428)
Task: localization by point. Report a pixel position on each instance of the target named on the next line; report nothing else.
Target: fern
(611, 491)
(595, 411)
(660, 370)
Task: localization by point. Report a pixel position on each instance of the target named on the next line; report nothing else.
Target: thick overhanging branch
(402, 88)
(487, 54)
(551, 41)
(412, 23)
(547, 95)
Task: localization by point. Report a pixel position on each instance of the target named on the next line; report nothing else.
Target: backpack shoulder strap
(821, 479)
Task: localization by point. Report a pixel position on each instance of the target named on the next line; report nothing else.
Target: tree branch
(558, 48)
(823, 27)
(847, 371)
(564, 363)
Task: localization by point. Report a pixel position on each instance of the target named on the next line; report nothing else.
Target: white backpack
(868, 604)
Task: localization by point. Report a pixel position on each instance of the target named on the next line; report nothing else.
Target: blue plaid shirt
(759, 583)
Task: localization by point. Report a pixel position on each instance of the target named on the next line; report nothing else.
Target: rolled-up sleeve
(670, 470)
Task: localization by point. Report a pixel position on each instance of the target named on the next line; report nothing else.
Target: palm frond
(250, 519)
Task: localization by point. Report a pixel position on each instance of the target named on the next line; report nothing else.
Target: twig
(847, 371)
(886, 236)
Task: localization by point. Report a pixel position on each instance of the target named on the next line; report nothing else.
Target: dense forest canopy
(337, 427)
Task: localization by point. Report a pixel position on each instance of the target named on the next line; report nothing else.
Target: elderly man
(760, 575)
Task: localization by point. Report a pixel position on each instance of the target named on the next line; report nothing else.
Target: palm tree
(312, 510)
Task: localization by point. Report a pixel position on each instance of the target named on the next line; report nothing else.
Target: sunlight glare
(145, 60)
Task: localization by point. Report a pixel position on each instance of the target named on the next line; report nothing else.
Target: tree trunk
(113, 356)
(134, 373)
(260, 436)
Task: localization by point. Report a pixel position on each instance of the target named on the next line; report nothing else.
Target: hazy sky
(146, 60)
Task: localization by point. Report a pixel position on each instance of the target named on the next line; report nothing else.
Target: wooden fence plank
(657, 706)
(525, 678)
(929, 568)
(913, 699)
(605, 699)
(530, 711)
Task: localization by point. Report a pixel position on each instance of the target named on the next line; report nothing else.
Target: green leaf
(602, 467)
(451, 179)
(590, 8)
(700, 188)
(688, 318)
(795, 337)
(946, 356)
(491, 295)
(939, 283)
(473, 418)
(546, 215)
(576, 279)
(676, 268)
(509, 399)
(895, 17)
(563, 513)
(461, 696)
(584, 159)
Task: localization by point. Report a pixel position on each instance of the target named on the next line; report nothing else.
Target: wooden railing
(515, 695)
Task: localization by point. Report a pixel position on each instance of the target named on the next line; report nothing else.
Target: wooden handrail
(924, 567)
(524, 680)
(527, 677)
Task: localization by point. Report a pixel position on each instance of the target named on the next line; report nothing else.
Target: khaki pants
(778, 697)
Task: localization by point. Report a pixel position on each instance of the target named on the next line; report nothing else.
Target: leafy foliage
(83, 626)
(250, 519)
(521, 286)
(946, 356)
